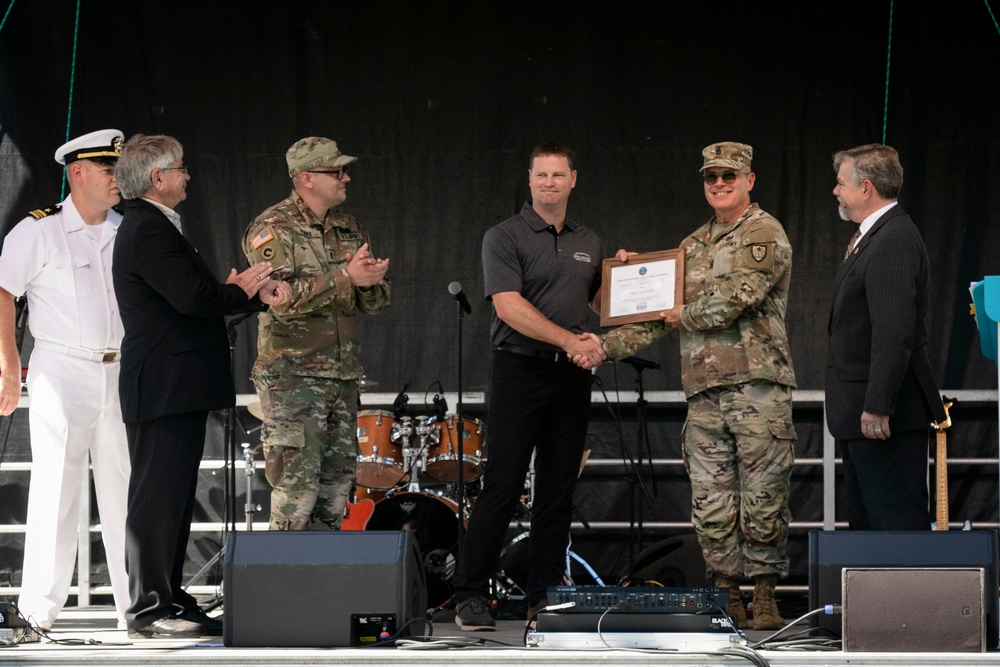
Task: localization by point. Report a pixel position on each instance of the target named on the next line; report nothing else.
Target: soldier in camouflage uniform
(308, 355)
(736, 370)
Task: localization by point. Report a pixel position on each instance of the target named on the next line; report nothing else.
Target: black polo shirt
(559, 274)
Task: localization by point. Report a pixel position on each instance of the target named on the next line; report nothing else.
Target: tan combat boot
(736, 608)
(765, 607)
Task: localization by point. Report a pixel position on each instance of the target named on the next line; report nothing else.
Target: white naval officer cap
(104, 146)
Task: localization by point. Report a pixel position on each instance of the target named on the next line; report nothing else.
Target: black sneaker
(474, 614)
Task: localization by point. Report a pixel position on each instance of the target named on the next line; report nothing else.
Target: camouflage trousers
(738, 454)
(310, 443)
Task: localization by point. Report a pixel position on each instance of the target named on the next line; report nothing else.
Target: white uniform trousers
(74, 410)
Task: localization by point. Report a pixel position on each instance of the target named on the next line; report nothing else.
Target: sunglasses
(728, 177)
(336, 173)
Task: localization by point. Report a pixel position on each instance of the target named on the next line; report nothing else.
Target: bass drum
(434, 522)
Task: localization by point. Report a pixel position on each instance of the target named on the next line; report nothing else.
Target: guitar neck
(941, 476)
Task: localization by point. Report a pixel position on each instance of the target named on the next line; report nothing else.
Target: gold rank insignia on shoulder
(40, 213)
(758, 251)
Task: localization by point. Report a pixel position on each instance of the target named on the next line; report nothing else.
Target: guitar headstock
(947, 403)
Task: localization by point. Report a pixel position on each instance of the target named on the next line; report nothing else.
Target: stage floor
(89, 637)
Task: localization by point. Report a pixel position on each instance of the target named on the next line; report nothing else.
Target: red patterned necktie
(850, 246)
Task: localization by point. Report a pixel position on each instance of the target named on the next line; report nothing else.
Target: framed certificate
(640, 289)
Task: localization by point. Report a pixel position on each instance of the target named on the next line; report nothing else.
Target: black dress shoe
(212, 626)
(168, 627)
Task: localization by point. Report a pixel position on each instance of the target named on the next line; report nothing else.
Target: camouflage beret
(311, 152)
(727, 154)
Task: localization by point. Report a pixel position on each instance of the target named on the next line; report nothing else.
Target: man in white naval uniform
(61, 258)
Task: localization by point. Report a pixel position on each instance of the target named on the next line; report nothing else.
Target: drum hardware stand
(250, 506)
(250, 468)
(415, 456)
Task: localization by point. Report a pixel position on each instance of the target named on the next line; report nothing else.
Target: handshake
(586, 351)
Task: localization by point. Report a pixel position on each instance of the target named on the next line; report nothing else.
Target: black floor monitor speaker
(322, 588)
(830, 552)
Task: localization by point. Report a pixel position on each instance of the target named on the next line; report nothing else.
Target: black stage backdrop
(443, 101)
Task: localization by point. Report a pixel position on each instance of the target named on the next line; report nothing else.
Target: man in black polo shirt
(542, 271)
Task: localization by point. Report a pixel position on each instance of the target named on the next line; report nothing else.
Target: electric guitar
(941, 469)
(356, 515)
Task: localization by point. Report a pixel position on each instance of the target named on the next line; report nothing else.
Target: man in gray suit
(880, 391)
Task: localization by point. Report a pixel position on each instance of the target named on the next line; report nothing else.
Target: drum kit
(409, 474)
(395, 453)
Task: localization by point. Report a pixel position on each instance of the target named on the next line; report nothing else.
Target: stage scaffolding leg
(829, 476)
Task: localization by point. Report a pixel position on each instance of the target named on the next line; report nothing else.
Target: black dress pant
(886, 482)
(534, 405)
(165, 453)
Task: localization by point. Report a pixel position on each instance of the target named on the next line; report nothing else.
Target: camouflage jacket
(314, 333)
(735, 295)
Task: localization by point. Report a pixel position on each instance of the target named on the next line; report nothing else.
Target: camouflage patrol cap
(311, 152)
(727, 154)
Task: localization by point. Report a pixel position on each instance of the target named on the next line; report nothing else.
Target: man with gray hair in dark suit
(175, 369)
(881, 395)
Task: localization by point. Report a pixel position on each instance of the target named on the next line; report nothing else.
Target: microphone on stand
(441, 403)
(456, 291)
(399, 404)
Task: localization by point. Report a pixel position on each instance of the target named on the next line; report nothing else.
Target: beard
(843, 213)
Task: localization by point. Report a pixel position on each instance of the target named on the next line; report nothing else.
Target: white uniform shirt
(67, 276)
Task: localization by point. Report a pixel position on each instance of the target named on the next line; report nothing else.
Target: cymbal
(255, 409)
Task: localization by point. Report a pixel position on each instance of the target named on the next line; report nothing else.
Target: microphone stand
(631, 475)
(460, 430)
(229, 433)
(228, 469)
(634, 476)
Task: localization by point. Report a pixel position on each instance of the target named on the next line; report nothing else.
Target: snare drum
(381, 439)
(442, 452)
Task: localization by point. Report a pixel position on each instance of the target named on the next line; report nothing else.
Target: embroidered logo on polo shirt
(582, 257)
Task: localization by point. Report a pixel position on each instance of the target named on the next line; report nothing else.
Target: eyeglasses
(336, 173)
(183, 168)
(728, 177)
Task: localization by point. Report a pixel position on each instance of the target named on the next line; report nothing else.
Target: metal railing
(476, 400)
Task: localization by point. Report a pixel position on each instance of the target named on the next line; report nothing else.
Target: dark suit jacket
(877, 348)
(175, 354)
